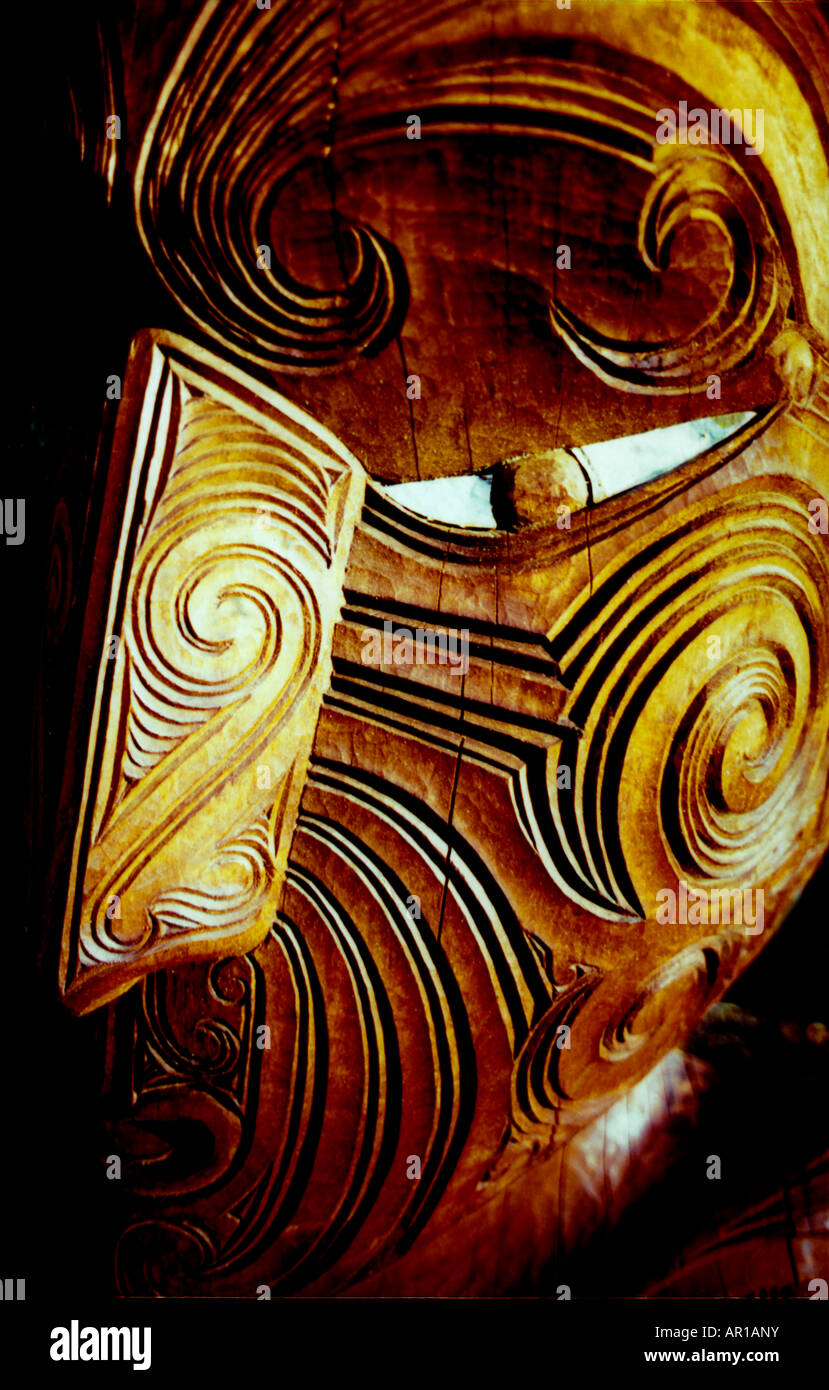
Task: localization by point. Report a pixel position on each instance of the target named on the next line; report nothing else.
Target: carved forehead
(285, 207)
(438, 258)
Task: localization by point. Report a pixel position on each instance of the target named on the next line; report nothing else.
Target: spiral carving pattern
(217, 602)
(192, 174)
(236, 522)
(735, 765)
(243, 874)
(589, 1046)
(699, 679)
(695, 187)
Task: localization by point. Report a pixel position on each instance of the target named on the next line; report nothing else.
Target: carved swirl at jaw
(177, 1109)
(589, 1046)
(735, 765)
(699, 678)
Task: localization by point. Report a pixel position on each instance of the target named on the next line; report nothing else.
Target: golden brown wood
(234, 516)
(396, 984)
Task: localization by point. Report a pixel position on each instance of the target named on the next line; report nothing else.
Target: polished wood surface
(386, 946)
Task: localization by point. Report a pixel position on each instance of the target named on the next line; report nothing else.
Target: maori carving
(802, 363)
(391, 1082)
(229, 901)
(280, 113)
(380, 933)
(236, 520)
(689, 188)
(291, 84)
(562, 1083)
(698, 677)
(475, 920)
(186, 1073)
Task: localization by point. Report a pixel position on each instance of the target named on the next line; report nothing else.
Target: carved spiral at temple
(690, 188)
(699, 678)
(191, 173)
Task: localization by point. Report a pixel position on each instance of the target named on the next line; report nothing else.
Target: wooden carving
(412, 846)
(235, 517)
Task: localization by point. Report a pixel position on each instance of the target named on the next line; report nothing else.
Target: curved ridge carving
(589, 1046)
(225, 588)
(229, 890)
(278, 111)
(411, 1086)
(181, 1090)
(258, 95)
(699, 677)
(692, 187)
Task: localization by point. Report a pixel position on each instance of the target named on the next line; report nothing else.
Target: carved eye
(537, 483)
(616, 465)
(459, 501)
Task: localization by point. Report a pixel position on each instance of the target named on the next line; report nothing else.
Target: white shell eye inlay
(616, 465)
(460, 501)
(613, 466)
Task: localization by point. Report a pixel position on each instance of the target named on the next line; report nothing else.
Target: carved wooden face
(480, 897)
(524, 207)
